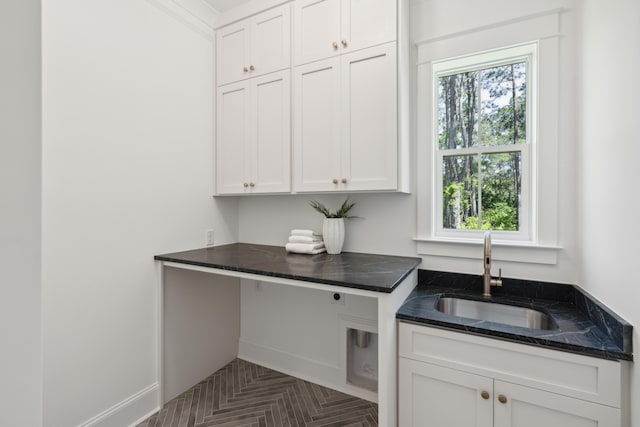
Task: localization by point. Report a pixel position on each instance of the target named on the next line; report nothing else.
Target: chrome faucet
(487, 280)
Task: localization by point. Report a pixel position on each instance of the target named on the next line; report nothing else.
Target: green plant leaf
(342, 212)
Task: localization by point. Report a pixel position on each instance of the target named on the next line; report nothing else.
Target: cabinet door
(270, 41)
(431, 395)
(270, 151)
(367, 23)
(370, 134)
(317, 126)
(528, 407)
(232, 53)
(317, 30)
(232, 138)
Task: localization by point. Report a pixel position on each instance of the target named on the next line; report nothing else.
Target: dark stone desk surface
(583, 325)
(379, 273)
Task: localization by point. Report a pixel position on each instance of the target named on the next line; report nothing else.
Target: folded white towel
(307, 233)
(305, 248)
(304, 239)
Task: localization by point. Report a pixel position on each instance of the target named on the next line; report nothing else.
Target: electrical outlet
(208, 238)
(337, 298)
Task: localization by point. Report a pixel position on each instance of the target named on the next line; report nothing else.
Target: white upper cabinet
(326, 28)
(345, 122)
(367, 23)
(317, 30)
(233, 112)
(347, 134)
(317, 126)
(254, 46)
(254, 136)
(232, 45)
(369, 119)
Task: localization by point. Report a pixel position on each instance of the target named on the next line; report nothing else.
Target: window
(482, 143)
(490, 164)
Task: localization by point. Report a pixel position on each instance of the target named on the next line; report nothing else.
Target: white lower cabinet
(464, 386)
(433, 396)
(520, 406)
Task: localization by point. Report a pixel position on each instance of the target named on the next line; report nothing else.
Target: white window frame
(478, 61)
(541, 247)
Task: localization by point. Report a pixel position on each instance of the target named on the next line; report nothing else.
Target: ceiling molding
(246, 9)
(185, 16)
(201, 10)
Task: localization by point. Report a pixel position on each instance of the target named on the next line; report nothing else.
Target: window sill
(530, 253)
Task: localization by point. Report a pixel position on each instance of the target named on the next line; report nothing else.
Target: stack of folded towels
(305, 242)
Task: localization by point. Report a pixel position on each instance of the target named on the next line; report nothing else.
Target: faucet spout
(487, 280)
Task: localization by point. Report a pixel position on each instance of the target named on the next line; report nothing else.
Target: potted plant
(333, 225)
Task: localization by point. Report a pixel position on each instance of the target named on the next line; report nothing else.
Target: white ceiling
(225, 5)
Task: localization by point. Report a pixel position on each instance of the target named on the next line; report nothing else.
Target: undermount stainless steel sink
(493, 312)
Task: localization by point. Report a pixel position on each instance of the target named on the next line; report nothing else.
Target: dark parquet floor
(245, 394)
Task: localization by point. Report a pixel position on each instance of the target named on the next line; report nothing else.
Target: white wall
(386, 224)
(389, 220)
(608, 162)
(127, 173)
(313, 347)
(196, 342)
(20, 190)
(435, 18)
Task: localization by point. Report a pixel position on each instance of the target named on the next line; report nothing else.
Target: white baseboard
(130, 411)
(318, 372)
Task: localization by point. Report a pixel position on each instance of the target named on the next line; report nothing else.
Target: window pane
(503, 94)
(458, 110)
(459, 191)
(501, 190)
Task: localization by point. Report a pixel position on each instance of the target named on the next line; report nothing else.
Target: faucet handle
(499, 281)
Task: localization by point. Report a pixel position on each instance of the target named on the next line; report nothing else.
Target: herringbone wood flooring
(246, 394)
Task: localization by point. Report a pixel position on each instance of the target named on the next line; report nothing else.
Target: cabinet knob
(502, 398)
(245, 69)
(251, 67)
(344, 43)
(335, 45)
(251, 184)
(344, 180)
(335, 181)
(245, 185)
(485, 394)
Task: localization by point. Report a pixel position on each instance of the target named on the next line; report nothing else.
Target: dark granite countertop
(379, 273)
(582, 324)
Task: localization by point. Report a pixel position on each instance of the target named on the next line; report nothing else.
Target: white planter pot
(333, 235)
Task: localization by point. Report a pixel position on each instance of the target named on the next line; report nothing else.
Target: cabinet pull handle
(245, 69)
(335, 181)
(344, 180)
(344, 42)
(485, 394)
(251, 67)
(335, 45)
(251, 184)
(502, 398)
(245, 185)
